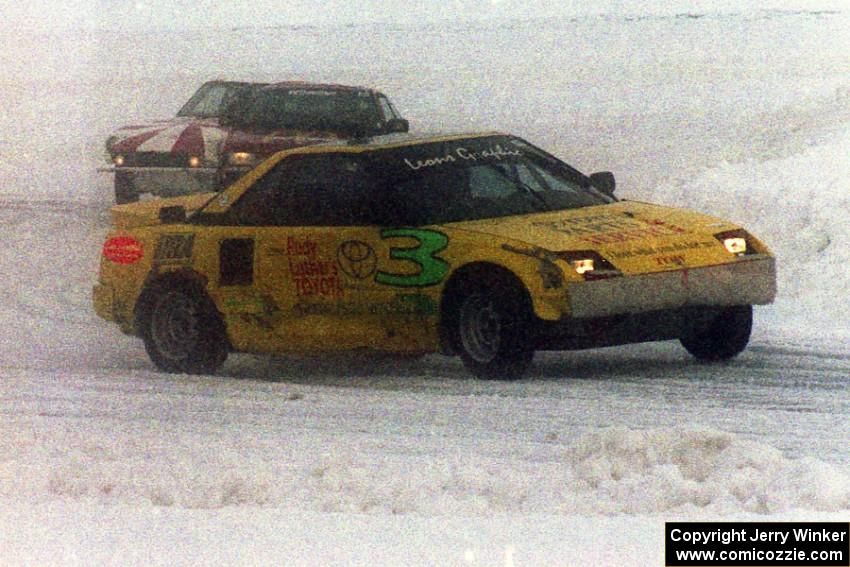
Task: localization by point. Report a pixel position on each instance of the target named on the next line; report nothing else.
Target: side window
(325, 190)
(486, 182)
(259, 205)
(437, 195)
(387, 108)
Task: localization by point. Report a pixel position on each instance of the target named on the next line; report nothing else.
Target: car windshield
(313, 109)
(211, 99)
(478, 178)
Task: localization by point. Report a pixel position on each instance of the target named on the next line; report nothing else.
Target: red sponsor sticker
(123, 250)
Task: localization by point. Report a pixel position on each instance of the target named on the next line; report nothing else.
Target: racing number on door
(432, 268)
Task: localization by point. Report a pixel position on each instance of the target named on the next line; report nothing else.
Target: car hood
(182, 134)
(266, 142)
(207, 139)
(635, 237)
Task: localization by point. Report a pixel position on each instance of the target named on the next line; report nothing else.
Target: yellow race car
(479, 245)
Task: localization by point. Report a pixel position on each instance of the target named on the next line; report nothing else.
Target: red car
(227, 127)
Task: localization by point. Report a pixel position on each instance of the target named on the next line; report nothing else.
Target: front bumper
(751, 280)
(169, 181)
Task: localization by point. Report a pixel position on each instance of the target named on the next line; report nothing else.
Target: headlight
(735, 242)
(241, 158)
(589, 264)
(583, 265)
(118, 160)
(194, 161)
(735, 245)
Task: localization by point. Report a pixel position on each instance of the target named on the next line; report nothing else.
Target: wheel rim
(175, 326)
(480, 328)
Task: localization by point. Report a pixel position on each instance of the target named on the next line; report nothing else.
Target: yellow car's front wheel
(721, 336)
(493, 331)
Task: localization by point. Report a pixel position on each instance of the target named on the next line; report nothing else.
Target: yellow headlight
(582, 266)
(118, 160)
(735, 245)
(194, 161)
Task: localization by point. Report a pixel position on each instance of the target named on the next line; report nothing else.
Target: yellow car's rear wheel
(183, 332)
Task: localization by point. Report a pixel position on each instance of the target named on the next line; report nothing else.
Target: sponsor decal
(431, 268)
(123, 250)
(611, 229)
(174, 248)
(311, 92)
(496, 152)
(357, 259)
(404, 305)
(675, 260)
(668, 250)
(311, 274)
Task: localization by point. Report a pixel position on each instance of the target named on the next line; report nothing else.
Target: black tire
(125, 191)
(183, 331)
(492, 329)
(721, 337)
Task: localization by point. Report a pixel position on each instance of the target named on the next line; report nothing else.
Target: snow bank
(799, 206)
(611, 472)
(685, 471)
(614, 471)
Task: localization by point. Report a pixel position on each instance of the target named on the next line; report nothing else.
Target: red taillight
(123, 250)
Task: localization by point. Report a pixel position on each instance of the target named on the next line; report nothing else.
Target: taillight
(123, 250)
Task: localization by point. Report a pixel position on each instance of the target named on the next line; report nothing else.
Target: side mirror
(604, 181)
(397, 125)
(172, 215)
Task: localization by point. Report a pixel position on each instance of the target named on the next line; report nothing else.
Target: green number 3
(432, 269)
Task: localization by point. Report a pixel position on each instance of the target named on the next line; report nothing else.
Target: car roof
(304, 85)
(388, 141)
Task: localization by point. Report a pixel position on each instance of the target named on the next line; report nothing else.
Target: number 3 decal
(432, 268)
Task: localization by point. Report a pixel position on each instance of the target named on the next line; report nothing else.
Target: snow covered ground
(738, 112)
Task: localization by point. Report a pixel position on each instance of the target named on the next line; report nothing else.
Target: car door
(328, 275)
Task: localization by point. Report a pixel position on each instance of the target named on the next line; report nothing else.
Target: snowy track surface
(641, 431)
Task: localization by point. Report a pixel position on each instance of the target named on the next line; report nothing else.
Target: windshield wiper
(534, 194)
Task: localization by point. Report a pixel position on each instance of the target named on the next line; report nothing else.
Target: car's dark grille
(155, 159)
